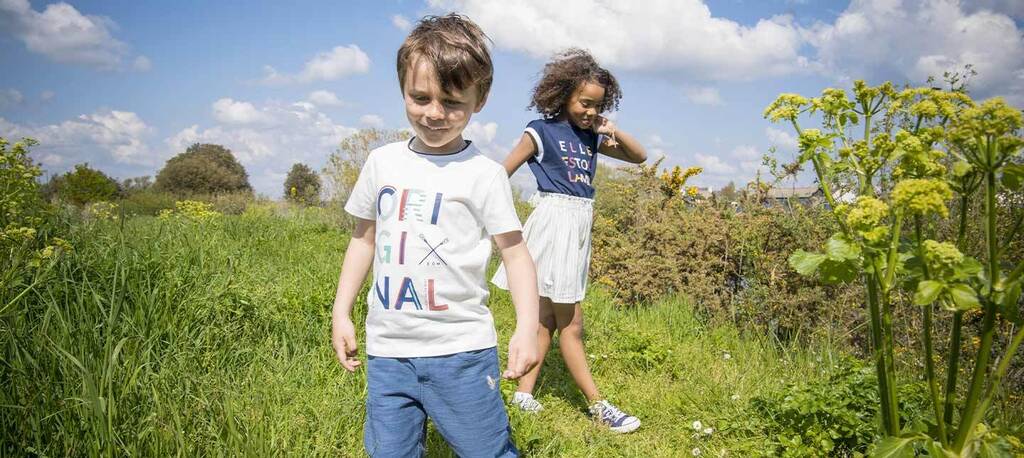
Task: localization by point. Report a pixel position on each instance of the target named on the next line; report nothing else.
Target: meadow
(211, 338)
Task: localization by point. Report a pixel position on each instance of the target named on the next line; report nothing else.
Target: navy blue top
(566, 157)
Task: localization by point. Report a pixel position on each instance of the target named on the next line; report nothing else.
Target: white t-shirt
(434, 218)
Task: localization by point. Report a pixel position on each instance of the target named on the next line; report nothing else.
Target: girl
(561, 149)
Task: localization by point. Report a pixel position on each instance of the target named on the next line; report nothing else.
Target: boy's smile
(437, 117)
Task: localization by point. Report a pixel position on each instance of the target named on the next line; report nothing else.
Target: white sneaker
(526, 402)
(616, 420)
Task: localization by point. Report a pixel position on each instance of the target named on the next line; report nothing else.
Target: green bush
(82, 186)
(832, 416)
(651, 241)
(149, 202)
(203, 169)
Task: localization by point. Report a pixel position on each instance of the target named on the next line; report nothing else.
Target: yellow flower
(923, 196)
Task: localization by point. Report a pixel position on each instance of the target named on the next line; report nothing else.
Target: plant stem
(880, 367)
(968, 417)
(997, 376)
(929, 365)
(953, 370)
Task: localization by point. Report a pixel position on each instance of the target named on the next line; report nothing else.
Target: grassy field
(180, 338)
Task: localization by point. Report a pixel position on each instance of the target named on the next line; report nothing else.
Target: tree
(343, 166)
(82, 185)
(302, 185)
(203, 169)
(728, 193)
(136, 184)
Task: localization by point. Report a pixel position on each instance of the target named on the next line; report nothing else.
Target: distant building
(784, 196)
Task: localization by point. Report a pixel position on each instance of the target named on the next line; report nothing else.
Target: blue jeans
(459, 392)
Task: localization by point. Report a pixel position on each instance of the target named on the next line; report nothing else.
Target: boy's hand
(343, 337)
(522, 353)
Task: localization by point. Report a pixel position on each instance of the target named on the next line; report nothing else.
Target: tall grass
(177, 338)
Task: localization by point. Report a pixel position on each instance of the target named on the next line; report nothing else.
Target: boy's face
(583, 103)
(437, 117)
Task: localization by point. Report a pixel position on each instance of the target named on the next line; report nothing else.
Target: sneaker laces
(529, 403)
(611, 413)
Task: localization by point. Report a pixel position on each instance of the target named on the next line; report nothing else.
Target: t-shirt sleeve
(533, 129)
(499, 211)
(361, 202)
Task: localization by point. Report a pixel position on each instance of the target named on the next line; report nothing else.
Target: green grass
(175, 338)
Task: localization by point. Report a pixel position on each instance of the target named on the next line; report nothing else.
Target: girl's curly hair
(563, 75)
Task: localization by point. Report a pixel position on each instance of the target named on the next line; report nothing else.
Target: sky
(124, 85)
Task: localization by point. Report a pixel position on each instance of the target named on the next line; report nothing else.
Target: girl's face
(581, 109)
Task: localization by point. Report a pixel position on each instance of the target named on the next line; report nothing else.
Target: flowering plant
(921, 150)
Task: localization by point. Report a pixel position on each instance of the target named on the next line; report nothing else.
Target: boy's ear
(481, 103)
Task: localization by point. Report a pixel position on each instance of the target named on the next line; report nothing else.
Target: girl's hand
(607, 128)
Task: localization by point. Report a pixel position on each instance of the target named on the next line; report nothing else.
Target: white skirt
(557, 234)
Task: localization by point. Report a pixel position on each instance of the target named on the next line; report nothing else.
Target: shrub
(203, 169)
(82, 186)
(302, 185)
(651, 240)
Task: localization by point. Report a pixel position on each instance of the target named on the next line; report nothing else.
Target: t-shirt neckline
(444, 156)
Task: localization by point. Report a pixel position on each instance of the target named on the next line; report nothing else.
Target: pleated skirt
(557, 234)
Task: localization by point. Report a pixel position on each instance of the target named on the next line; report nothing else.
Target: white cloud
(910, 40)
(713, 165)
(401, 22)
(63, 34)
(229, 111)
(703, 95)
(483, 136)
(1012, 8)
(142, 64)
(284, 134)
(47, 96)
(781, 139)
(680, 36)
(10, 98)
(324, 66)
(371, 120)
(323, 98)
(103, 138)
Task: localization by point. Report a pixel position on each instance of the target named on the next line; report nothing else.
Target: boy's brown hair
(455, 47)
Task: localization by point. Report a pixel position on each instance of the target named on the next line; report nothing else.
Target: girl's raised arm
(618, 144)
(523, 151)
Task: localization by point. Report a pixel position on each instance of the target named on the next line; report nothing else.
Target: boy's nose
(435, 111)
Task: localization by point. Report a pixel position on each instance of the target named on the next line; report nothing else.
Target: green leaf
(1009, 303)
(935, 449)
(1013, 176)
(805, 263)
(927, 292)
(963, 296)
(896, 447)
(839, 249)
(833, 272)
(968, 268)
(993, 446)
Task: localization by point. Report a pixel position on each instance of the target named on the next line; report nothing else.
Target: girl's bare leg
(544, 333)
(569, 321)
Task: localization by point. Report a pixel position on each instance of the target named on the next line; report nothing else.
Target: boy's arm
(522, 284)
(618, 144)
(523, 151)
(358, 259)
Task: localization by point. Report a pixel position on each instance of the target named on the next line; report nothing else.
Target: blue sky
(124, 85)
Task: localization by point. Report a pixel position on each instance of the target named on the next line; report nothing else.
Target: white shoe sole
(626, 428)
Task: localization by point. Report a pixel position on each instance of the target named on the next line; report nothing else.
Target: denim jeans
(458, 392)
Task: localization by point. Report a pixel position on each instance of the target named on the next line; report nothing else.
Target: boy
(424, 209)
